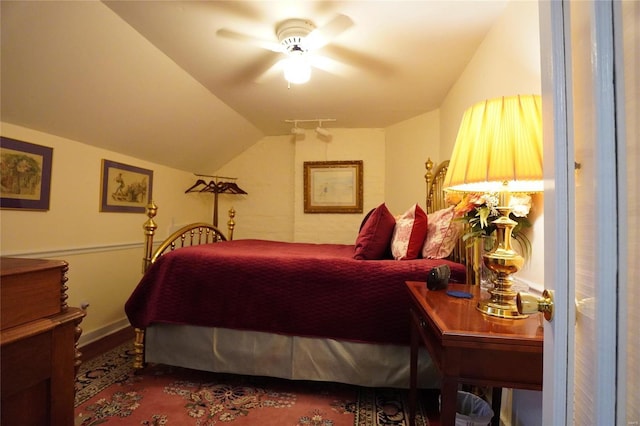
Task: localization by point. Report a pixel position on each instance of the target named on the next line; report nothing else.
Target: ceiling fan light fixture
(297, 69)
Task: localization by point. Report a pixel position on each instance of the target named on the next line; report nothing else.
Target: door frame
(560, 232)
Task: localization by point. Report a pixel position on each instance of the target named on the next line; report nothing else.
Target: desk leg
(448, 400)
(413, 373)
(496, 401)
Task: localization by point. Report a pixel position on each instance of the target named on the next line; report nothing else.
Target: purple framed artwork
(125, 188)
(25, 169)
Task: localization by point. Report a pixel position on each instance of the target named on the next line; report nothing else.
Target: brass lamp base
(489, 307)
(502, 261)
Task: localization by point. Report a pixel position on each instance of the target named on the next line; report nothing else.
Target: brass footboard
(189, 235)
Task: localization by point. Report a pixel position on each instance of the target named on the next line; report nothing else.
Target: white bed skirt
(289, 357)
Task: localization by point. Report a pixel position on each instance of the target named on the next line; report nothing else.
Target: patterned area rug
(108, 392)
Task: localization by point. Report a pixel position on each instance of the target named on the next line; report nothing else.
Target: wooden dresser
(38, 343)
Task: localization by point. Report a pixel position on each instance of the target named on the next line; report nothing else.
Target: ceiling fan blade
(274, 70)
(332, 66)
(320, 37)
(256, 71)
(361, 60)
(264, 44)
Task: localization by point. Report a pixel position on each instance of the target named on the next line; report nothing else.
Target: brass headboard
(435, 193)
(436, 200)
(189, 235)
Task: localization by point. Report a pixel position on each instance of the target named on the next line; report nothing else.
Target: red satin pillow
(374, 238)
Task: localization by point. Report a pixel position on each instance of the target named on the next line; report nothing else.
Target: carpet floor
(108, 392)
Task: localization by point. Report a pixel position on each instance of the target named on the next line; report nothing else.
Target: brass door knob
(530, 304)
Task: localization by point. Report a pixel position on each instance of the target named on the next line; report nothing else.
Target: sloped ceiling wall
(152, 80)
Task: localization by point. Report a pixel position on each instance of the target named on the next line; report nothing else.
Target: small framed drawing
(25, 169)
(333, 186)
(125, 188)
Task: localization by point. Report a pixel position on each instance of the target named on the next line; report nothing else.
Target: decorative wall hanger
(217, 185)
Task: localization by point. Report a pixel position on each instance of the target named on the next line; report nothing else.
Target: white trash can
(471, 410)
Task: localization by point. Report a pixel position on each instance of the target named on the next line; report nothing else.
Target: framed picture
(125, 188)
(333, 187)
(25, 169)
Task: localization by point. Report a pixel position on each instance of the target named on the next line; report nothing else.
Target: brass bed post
(149, 227)
(138, 349)
(429, 178)
(149, 231)
(231, 224)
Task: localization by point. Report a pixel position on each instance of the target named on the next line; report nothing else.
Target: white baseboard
(98, 334)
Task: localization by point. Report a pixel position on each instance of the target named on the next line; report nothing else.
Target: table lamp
(499, 150)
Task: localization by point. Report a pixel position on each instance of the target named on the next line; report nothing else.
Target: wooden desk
(470, 347)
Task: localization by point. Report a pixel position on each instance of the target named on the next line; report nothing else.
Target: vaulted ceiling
(155, 80)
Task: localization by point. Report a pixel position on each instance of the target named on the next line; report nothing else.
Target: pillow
(365, 219)
(442, 234)
(374, 237)
(409, 234)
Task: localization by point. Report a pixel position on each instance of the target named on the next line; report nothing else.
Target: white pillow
(442, 234)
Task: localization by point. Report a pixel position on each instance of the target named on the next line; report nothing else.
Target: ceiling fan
(297, 42)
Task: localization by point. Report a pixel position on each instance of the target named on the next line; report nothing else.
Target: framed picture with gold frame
(124, 188)
(26, 175)
(333, 186)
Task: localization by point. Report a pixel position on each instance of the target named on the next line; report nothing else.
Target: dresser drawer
(30, 289)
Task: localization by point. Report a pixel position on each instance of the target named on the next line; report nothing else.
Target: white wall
(272, 173)
(506, 63)
(346, 144)
(408, 146)
(265, 171)
(104, 250)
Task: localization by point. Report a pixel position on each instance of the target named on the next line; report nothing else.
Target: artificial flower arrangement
(479, 210)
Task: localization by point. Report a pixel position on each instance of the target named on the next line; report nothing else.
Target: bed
(302, 311)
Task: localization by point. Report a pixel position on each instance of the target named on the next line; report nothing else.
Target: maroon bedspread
(300, 289)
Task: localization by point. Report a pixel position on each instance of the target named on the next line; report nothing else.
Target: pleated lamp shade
(499, 147)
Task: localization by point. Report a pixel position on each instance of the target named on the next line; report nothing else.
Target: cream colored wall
(265, 171)
(346, 144)
(272, 173)
(104, 250)
(506, 63)
(408, 146)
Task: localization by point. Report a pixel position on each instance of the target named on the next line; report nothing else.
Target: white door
(590, 93)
